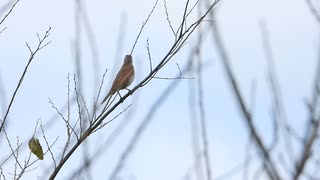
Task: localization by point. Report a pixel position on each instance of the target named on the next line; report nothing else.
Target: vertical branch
(311, 133)
(246, 165)
(195, 124)
(77, 43)
(201, 98)
(80, 12)
(92, 43)
(184, 17)
(3, 96)
(280, 116)
(81, 125)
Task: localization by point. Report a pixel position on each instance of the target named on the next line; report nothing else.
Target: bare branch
(172, 78)
(3, 30)
(78, 103)
(149, 54)
(184, 17)
(8, 13)
(102, 125)
(203, 121)
(32, 54)
(278, 111)
(192, 8)
(313, 10)
(104, 113)
(312, 130)
(48, 146)
(143, 25)
(14, 153)
(168, 19)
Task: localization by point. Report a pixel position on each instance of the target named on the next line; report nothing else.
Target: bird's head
(128, 59)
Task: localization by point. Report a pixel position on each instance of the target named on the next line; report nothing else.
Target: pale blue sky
(164, 151)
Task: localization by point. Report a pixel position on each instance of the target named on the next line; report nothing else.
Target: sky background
(165, 149)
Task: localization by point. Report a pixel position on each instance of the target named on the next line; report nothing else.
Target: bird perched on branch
(124, 77)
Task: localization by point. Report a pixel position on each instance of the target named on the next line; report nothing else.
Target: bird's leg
(119, 94)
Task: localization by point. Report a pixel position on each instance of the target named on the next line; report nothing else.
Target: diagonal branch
(41, 44)
(313, 10)
(9, 12)
(176, 47)
(270, 166)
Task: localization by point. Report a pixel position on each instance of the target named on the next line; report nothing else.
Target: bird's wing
(121, 78)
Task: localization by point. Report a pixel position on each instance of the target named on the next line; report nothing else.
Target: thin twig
(13, 152)
(184, 17)
(70, 129)
(168, 19)
(48, 146)
(149, 54)
(143, 25)
(192, 8)
(95, 105)
(3, 30)
(32, 54)
(171, 78)
(79, 105)
(102, 125)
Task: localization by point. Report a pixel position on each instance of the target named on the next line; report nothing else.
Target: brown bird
(124, 77)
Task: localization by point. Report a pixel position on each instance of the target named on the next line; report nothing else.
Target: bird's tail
(105, 99)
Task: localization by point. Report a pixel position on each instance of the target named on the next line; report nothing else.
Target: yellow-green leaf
(36, 148)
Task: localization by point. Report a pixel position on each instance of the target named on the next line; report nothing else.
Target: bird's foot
(119, 94)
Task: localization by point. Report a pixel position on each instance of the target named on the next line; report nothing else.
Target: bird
(123, 79)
